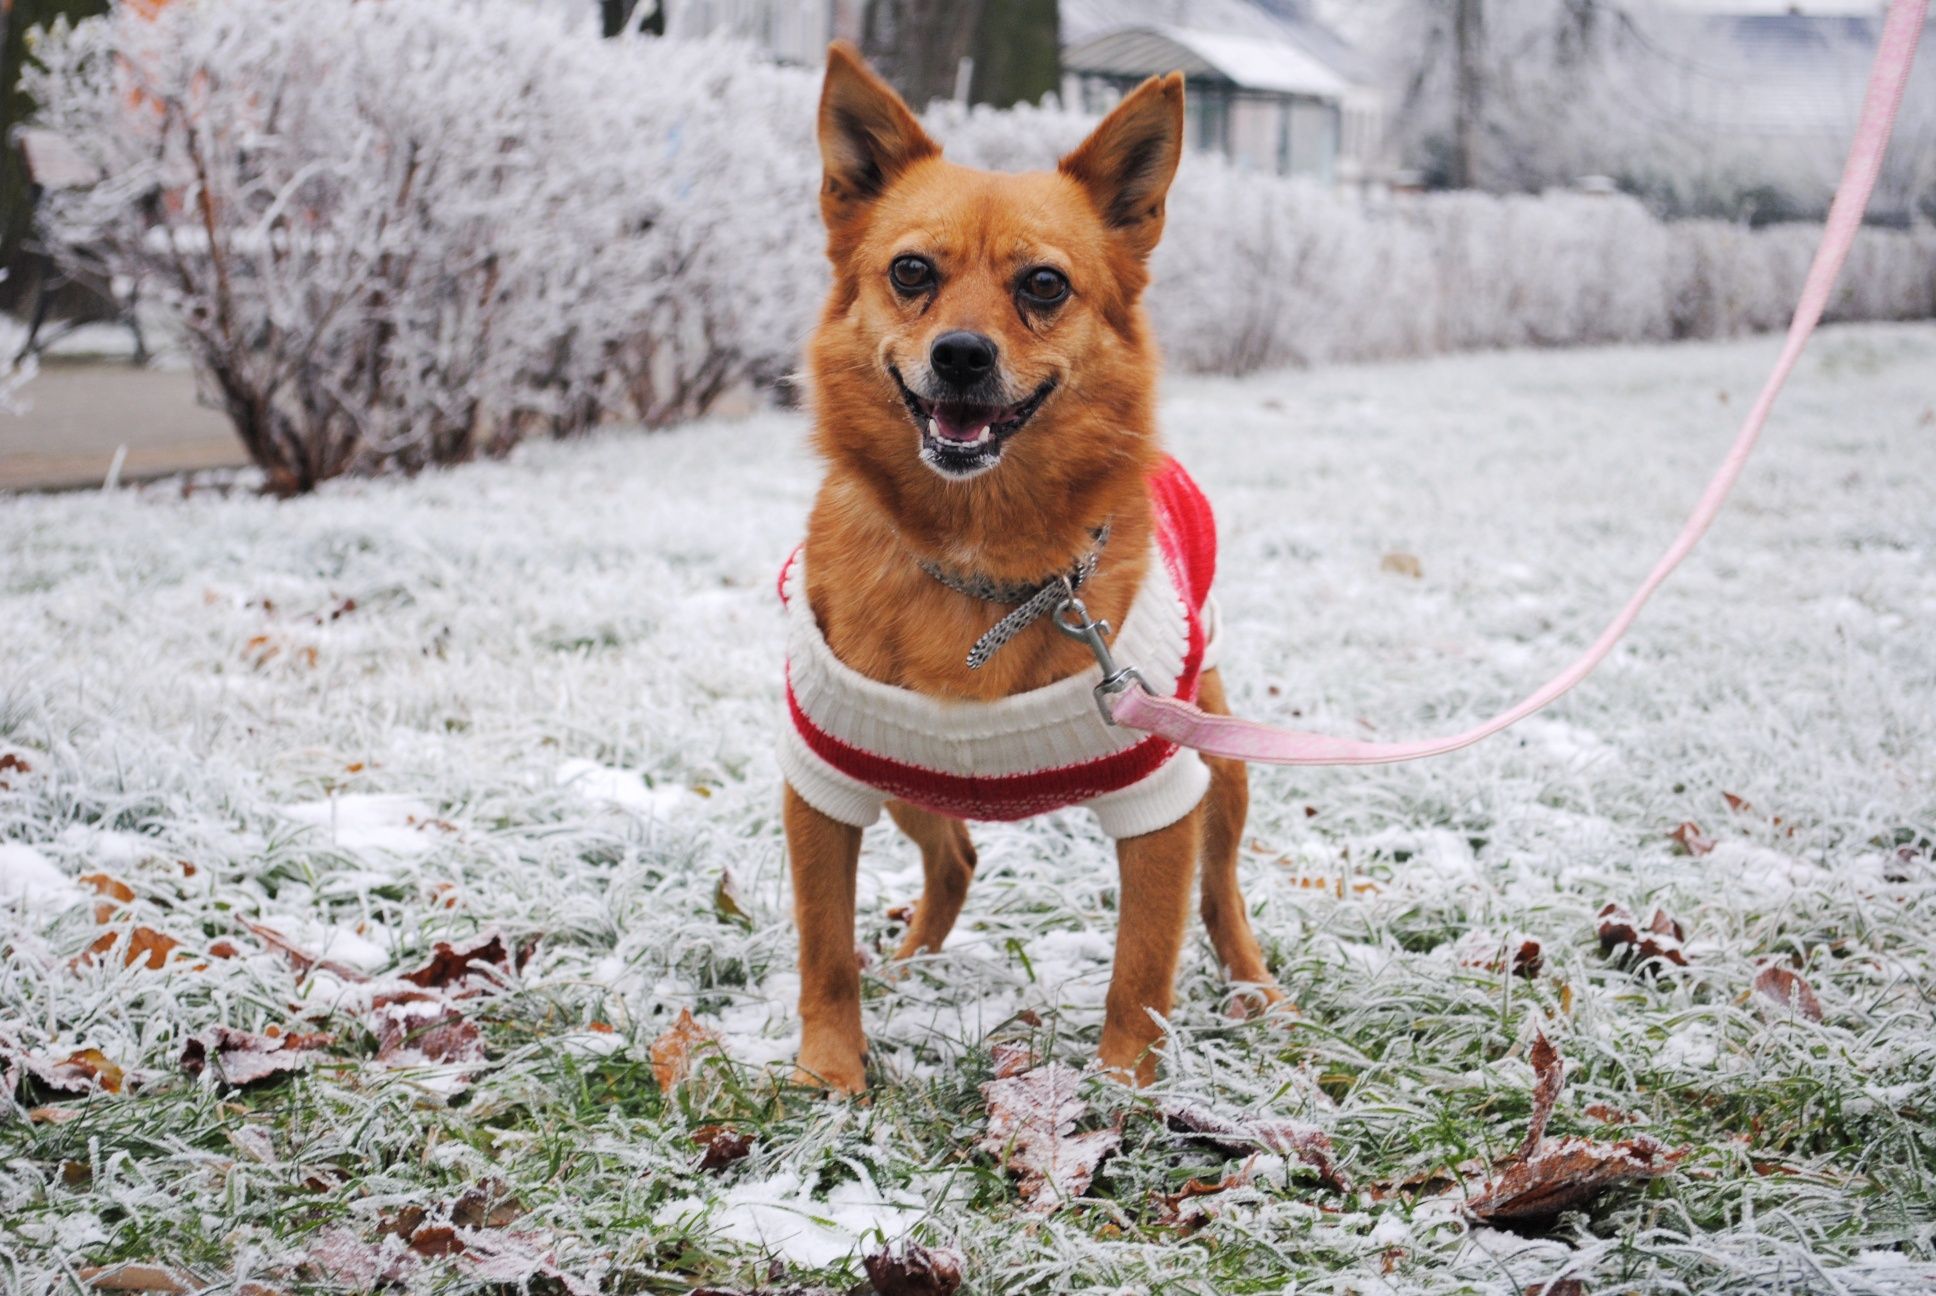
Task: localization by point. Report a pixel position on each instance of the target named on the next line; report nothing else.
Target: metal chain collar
(1031, 602)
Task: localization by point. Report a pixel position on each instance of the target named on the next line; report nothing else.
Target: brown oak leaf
(1547, 1176)
(301, 960)
(415, 1029)
(914, 1270)
(1785, 987)
(486, 960)
(1691, 840)
(722, 1146)
(1306, 1144)
(1181, 1209)
(243, 1058)
(1660, 941)
(114, 893)
(83, 1071)
(1031, 1126)
(672, 1052)
(1564, 1173)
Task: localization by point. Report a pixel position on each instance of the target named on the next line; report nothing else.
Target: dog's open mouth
(959, 439)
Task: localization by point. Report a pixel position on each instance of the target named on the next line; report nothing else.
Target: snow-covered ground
(536, 697)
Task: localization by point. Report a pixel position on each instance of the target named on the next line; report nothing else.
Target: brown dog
(984, 383)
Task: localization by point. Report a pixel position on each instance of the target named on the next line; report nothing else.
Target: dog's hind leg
(947, 866)
(824, 854)
(1226, 916)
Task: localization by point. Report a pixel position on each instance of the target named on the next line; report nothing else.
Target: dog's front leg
(824, 854)
(1158, 873)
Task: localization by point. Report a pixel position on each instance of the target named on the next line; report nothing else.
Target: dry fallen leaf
(341, 1257)
(485, 963)
(244, 1058)
(723, 1145)
(726, 901)
(145, 943)
(52, 1115)
(1306, 1144)
(145, 946)
(489, 1204)
(1031, 1125)
(1692, 841)
(1610, 1115)
(416, 1029)
(1180, 1208)
(1785, 987)
(115, 893)
(1558, 1287)
(299, 958)
(138, 1278)
(1400, 563)
(914, 1270)
(83, 1071)
(1549, 1077)
(1547, 1176)
(672, 1052)
(1011, 1058)
(1565, 1173)
(1660, 941)
(407, 1244)
(1527, 961)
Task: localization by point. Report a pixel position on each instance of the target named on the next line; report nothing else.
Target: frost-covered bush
(404, 233)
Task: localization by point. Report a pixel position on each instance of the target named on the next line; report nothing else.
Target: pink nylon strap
(1180, 722)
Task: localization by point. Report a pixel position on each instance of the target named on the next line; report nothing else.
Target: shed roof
(1246, 62)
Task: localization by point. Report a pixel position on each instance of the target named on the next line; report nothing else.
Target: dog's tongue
(960, 422)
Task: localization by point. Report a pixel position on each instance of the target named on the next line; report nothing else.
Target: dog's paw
(831, 1067)
(1249, 1002)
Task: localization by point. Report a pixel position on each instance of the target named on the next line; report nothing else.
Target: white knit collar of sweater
(887, 719)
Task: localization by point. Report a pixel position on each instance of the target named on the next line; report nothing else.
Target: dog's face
(990, 318)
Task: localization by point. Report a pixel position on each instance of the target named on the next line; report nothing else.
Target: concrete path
(82, 412)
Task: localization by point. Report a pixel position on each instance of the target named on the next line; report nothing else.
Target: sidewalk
(82, 412)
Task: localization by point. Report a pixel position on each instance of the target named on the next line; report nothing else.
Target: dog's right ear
(867, 137)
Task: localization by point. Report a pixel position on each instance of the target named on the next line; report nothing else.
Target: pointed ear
(867, 136)
(1128, 161)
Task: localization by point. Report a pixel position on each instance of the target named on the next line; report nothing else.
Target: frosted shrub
(405, 233)
(319, 192)
(718, 266)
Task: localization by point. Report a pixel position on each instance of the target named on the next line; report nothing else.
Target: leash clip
(1072, 618)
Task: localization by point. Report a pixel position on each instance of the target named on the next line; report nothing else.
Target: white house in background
(1782, 82)
(1776, 67)
(1270, 87)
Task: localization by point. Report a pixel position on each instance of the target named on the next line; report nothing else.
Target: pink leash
(1183, 723)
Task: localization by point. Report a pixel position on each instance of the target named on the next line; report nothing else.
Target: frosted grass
(548, 712)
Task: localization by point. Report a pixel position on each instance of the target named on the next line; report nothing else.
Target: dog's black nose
(961, 359)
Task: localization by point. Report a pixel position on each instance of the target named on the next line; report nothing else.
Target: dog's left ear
(867, 137)
(1128, 161)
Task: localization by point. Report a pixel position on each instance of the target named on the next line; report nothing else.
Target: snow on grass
(537, 697)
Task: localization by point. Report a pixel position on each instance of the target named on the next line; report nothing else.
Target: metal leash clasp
(1073, 619)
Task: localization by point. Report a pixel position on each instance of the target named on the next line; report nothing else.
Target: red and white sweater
(852, 743)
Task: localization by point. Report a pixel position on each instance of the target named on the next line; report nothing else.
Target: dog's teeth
(934, 427)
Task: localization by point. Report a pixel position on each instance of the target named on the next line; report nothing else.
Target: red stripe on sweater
(990, 796)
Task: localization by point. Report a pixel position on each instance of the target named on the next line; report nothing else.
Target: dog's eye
(1045, 287)
(911, 273)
